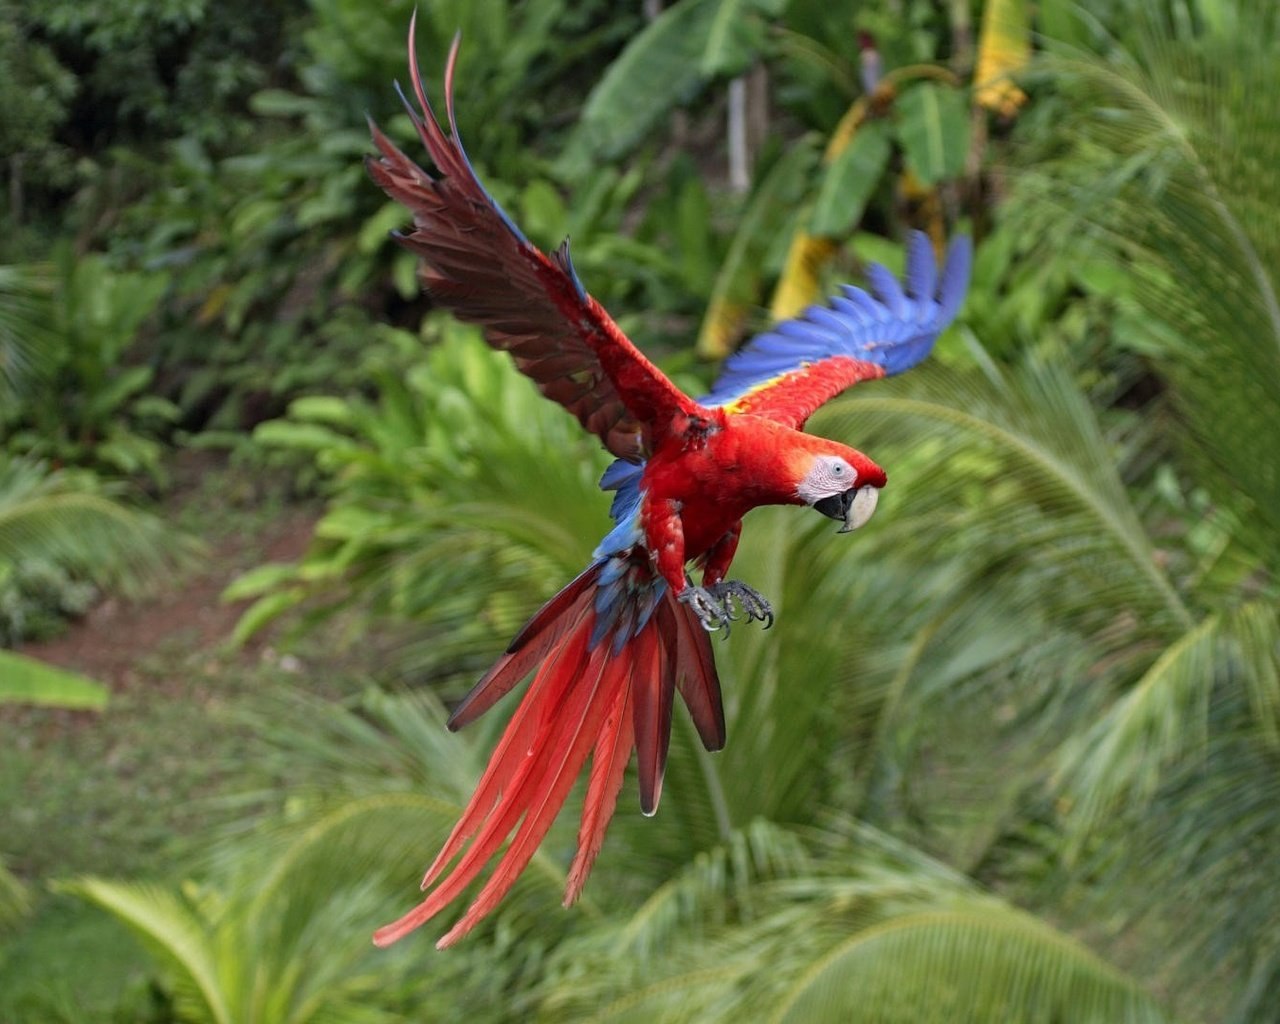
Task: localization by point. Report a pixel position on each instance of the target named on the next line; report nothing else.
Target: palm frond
(868, 930)
(981, 962)
(69, 519)
(25, 315)
(174, 930)
(1166, 716)
(1171, 164)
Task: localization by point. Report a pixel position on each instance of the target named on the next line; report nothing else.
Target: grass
(130, 792)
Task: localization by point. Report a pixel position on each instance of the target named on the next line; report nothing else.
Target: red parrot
(608, 653)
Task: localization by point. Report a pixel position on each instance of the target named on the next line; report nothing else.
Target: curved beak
(854, 506)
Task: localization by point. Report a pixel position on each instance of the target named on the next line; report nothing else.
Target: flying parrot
(610, 650)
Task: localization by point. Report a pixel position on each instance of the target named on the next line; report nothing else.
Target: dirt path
(107, 791)
(117, 635)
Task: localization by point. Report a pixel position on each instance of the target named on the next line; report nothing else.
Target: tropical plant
(676, 932)
(63, 532)
(25, 311)
(279, 929)
(89, 404)
(1167, 172)
(423, 471)
(1016, 746)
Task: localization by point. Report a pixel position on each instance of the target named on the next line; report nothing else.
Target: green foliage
(933, 128)
(423, 480)
(856, 920)
(1031, 706)
(36, 91)
(62, 532)
(25, 338)
(848, 185)
(685, 940)
(14, 899)
(27, 681)
(664, 66)
(280, 931)
(90, 403)
(162, 67)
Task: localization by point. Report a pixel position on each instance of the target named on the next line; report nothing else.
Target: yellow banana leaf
(1004, 48)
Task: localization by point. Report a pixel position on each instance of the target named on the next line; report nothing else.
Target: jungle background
(1012, 752)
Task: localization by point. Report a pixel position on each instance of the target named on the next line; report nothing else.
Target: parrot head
(842, 483)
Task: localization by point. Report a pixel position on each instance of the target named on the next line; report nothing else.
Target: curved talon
(714, 605)
(753, 604)
(710, 611)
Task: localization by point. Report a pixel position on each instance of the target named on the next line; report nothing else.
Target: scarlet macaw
(608, 652)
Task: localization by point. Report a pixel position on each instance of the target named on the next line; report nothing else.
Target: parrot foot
(714, 605)
(753, 604)
(714, 614)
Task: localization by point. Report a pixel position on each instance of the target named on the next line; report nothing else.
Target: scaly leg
(713, 613)
(714, 604)
(753, 603)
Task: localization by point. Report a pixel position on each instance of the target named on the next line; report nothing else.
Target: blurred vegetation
(1011, 755)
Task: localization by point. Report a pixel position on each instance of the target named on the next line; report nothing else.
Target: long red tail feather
(527, 650)
(608, 768)
(696, 675)
(604, 698)
(652, 690)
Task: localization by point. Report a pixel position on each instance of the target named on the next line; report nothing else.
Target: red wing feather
(791, 398)
(478, 264)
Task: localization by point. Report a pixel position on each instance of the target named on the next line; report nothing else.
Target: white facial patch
(830, 476)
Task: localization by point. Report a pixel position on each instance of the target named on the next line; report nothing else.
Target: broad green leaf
(25, 680)
(322, 409)
(736, 34)
(280, 103)
(659, 69)
(932, 124)
(266, 610)
(850, 180)
(259, 580)
(306, 436)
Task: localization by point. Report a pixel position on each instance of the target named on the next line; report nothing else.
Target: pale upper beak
(854, 506)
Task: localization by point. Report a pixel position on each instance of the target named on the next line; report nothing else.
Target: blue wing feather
(894, 328)
(922, 274)
(888, 291)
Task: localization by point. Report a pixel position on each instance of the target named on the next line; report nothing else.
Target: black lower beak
(836, 506)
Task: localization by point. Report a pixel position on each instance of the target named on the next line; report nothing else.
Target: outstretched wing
(480, 266)
(788, 372)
